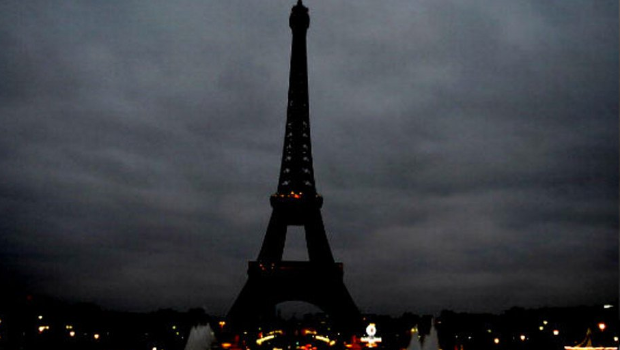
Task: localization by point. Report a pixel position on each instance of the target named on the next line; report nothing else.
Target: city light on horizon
(492, 332)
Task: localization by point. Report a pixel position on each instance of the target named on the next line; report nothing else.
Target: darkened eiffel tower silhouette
(271, 280)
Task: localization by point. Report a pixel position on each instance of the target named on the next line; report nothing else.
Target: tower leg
(273, 245)
(316, 239)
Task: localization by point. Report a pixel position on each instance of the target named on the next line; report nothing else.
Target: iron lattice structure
(319, 280)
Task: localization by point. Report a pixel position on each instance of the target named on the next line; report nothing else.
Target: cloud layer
(467, 151)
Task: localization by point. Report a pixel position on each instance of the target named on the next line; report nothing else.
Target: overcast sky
(467, 151)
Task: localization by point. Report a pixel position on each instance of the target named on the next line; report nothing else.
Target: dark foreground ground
(33, 323)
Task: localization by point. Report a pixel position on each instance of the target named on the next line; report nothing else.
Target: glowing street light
(602, 326)
(496, 340)
(522, 337)
(556, 332)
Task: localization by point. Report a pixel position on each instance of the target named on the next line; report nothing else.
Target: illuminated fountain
(431, 342)
(201, 337)
(414, 344)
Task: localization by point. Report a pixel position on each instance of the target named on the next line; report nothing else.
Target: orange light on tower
(602, 326)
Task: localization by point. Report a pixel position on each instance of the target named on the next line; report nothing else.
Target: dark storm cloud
(467, 151)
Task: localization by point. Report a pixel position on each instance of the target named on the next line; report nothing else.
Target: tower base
(272, 283)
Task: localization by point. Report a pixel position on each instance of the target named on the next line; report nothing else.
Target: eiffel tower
(318, 281)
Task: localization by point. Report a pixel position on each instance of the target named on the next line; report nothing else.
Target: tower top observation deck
(299, 17)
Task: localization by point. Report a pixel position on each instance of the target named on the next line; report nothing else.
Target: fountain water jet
(201, 337)
(414, 344)
(431, 342)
